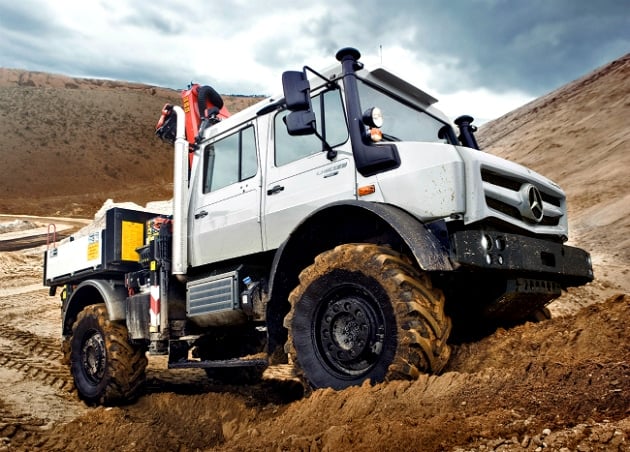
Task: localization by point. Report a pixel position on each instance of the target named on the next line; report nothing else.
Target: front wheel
(106, 368)
(361, 311)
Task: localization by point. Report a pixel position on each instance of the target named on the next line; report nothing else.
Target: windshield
(401, 122)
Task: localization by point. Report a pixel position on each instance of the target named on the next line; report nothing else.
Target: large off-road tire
(362, 311)
(107, 369)
(65, 350)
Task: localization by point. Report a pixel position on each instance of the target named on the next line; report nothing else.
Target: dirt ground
(560, 385)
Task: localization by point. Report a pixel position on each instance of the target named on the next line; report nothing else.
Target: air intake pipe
(180, 198)
(467, 131)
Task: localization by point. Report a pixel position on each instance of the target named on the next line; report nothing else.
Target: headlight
(373, 117)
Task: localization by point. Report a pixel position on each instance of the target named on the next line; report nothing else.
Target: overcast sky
(480, 57)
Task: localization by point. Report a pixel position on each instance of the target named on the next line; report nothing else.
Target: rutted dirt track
(562, 383)
(570, 375)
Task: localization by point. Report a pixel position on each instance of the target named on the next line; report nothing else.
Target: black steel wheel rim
(350, 329)
(93, 357)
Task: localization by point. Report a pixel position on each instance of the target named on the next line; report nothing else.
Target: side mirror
(300, 123)
(297, 96)
(297, 90)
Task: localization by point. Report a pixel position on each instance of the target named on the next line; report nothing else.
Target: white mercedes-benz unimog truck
(344, 227)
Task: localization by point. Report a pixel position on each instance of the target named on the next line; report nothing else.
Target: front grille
(502, 207)
(507, 194)
(500, 180)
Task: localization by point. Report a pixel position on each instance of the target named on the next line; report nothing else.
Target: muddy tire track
(39, 369)
(17, 428)
(30, 363)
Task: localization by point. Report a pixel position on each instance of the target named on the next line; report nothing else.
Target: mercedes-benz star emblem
(532, 206)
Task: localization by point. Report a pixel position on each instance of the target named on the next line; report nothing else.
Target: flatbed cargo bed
(101, 253)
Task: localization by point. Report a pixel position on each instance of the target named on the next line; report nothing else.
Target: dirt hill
(579, 137)
(68, 144)
(558, 385)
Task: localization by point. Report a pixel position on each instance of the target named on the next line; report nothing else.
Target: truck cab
(343, 227)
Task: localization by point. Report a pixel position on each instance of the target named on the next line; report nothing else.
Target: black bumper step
(234, 363)
(492, 250)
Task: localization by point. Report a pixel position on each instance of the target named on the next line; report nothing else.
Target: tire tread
(422, 326)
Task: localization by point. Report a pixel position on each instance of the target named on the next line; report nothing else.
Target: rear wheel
(107, 369)
(362, 311)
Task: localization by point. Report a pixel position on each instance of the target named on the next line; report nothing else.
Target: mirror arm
(330, 84)
(330, 152)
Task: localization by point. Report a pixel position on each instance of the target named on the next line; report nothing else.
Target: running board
(184, 364)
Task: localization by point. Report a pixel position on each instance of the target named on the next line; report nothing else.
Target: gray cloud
(530, 47)
(22, 16)
(167, 17)
(28, 33)
(534, 45)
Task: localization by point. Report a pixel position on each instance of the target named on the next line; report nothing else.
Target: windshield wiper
(388, 137)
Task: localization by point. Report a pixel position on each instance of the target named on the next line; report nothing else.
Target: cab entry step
(260, 363)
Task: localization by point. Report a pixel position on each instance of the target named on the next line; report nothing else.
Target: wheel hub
(93, 357)
(346, 331)
(350, 333)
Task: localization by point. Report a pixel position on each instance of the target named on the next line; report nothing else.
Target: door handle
(275, 189)
(201, 214)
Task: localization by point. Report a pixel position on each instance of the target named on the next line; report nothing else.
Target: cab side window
(331, 124)
(230, 160)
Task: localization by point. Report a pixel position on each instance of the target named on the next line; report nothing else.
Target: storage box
(106, 252)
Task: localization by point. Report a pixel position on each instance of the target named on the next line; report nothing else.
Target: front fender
(350, 221)
(360, 221)
(94, 291)
(422, 243)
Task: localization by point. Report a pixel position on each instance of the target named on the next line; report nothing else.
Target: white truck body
(80, 255)
(344, 223)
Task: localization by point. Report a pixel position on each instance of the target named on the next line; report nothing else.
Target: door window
(331, 124)
(230, 160)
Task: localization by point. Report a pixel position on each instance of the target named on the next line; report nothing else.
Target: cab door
(300, 176)
(226, 214)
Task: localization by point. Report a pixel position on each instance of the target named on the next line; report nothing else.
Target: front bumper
(543, 259)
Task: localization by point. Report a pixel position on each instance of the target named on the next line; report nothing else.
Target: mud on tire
(362, 311)
(107, 369)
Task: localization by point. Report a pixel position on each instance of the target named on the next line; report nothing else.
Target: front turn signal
(366, 190)
(376, 135)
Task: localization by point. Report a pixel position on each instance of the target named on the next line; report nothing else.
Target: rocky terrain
(562, 384)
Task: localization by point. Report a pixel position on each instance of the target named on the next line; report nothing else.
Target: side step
(184, 364)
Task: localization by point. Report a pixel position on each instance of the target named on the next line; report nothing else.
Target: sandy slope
(578, 136)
